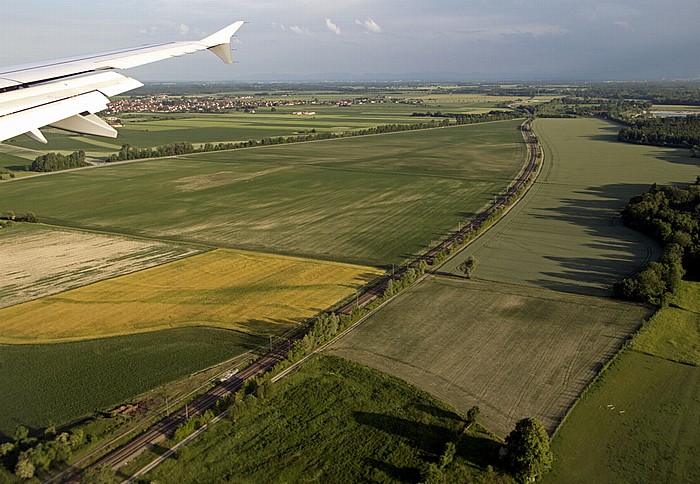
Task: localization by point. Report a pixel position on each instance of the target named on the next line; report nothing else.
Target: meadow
(40, 261)
(514, 351)
(252, 293)
(674, 331)
(638, 422)
(372, 200)
(43, 385)
(335, 421)
(566, 233)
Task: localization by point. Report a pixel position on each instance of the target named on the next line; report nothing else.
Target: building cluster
(207, 104)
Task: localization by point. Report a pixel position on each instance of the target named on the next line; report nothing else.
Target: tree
(529, 456)
(24, 468)
(20, 434)
(468, 266)
(473, 414)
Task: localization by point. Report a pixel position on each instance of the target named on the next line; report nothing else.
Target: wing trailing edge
(67, 93)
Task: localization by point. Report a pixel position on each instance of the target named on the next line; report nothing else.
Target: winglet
(220, 42)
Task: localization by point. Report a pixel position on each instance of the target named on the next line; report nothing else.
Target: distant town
(163, 103)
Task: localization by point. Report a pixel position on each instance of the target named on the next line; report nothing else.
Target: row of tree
(678, 131)
(671, 215)
(57, 161)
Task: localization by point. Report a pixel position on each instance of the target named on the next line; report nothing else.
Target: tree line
(57, 161)
(670, 215)
(677, 131)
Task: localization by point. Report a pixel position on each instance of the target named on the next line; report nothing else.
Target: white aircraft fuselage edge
(66, 93)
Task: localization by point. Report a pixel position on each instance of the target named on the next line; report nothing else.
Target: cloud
(332, 27)
(299, 30)
(370, 25)
(184, 29)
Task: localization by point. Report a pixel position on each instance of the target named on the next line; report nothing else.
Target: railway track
(457, 237)
(166, 427)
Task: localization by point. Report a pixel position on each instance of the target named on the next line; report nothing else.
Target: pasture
(334, 421)
(566, 233)
(372, 200)
(638, 424)
(42, 385)
(252, 293)
(674, 332)
(39, 261)
(515, 351)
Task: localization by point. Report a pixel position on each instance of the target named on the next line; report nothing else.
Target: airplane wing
(67, 93)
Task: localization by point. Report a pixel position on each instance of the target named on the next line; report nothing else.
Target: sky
(374, 40)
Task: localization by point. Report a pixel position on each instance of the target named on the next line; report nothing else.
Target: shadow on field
(396, 473)
(424, 437)
(620, 251)
(437, 412)
(681, 156)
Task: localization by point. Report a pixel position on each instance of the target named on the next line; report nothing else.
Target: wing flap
(27, 120)
(66, 93)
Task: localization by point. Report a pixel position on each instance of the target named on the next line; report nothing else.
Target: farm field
(566, 233)
(154, 129)
(39, 261)
(515, 351)
(639, 420)
(639, 424)
(334, 421)
(674, 332)
(42, 385)
(253, 293)
(371, 200)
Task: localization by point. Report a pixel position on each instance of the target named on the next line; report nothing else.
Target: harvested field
(566, 233)
(39, 261)
(248, 292)
(515, 351)
(374, 200)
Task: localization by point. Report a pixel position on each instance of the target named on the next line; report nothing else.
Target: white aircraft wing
(67, 93)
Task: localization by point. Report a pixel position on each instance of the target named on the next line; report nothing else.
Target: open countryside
(148, 130)
(566, 233)
(643, 412)
(248, 292)
(374, 200)
(514, 351)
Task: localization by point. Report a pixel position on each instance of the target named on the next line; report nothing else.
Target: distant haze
(356, 40)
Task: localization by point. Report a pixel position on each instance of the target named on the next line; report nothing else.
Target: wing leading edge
(67, 93)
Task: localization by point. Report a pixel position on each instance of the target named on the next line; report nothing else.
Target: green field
(515, 351)
(54, 384)
(372, 200)
(638, 425)
(639, 421)
(334, 421)
(151, 129)
(674, 332)
(566, 233)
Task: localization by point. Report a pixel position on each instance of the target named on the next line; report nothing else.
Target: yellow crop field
(244, 291)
